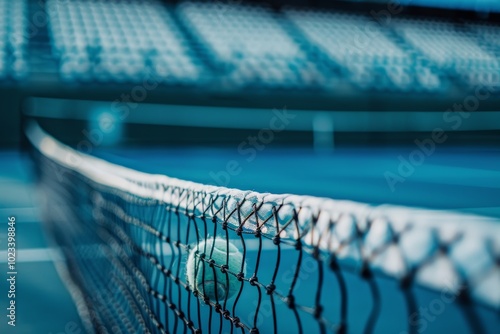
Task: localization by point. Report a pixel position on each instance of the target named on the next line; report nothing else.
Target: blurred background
(376, 101)
(65, 60)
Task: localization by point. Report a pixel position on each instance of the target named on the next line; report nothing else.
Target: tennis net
(312, 264)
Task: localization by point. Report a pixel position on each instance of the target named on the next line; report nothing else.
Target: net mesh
(125, 237)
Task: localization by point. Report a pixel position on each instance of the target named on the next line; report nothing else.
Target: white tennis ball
(212, 282)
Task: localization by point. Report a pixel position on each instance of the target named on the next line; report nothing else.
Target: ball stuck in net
(212, 282)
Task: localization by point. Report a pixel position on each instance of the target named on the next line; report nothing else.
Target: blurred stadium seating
(453, 49)
(240, 45)
(119, 42)
(368, 53)
(13, 40)
(344, 57)
(249, 46)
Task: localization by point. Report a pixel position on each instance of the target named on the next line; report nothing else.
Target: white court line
(33, 255)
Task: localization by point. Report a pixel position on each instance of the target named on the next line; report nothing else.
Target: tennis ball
(212, 282)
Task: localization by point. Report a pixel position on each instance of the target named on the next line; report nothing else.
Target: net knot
(224, 226)
(406, 282)
(270, 288)
(317, 311)
(290, 301)
(225, 314)
(240, 276)
(342, 328)
(315, 253)
(236, 322)
(463, 296)
(333, 264)
(254, 331)
(197, 331)
(276, 240)
(211, 263)
(218, 308)
(171, 306)
(224, 268)
(365, 272)
(298, 245)
(238, 231)
(253, 280)
(443, 248)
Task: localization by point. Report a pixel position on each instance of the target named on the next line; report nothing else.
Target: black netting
(126, 252)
